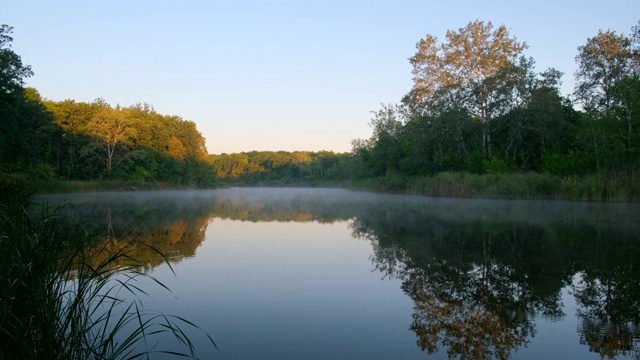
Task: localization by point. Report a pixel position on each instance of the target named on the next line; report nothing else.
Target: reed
(612, 187)
(57, 302)
(74, 186)
(509, 186)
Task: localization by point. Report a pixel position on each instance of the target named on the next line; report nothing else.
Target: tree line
(92, 141)
(478, 106)
(74, 140)
(283, 167)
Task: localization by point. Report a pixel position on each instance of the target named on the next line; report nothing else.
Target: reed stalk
(58, 302)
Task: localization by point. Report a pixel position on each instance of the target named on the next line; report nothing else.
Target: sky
(274, 75)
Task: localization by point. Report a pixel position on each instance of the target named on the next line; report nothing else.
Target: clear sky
(274, 75)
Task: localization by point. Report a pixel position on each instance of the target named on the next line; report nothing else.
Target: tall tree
(473, 71)
(603, 62)
(110, 128)
(72, 118)
(386, 150)
(539, 124)
(12, 70)
(607, 88)
(12, 75)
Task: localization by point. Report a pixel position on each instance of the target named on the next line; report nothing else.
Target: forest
(478, 106)
(478, 116)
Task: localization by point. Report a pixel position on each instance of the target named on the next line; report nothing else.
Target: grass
(58, 302)
(511, 186)
(531, 185)
(75, 186)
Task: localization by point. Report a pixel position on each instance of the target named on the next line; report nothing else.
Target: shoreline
(514, 186)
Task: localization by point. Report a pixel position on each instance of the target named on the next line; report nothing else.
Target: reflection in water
(607, 287)
(480, 273)
(602, 327)
(464, 328)
(147, 230)
(478, 285)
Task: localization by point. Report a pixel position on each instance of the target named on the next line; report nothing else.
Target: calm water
(334, 274)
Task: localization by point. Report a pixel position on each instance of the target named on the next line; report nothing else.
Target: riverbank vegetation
(478, 107)
(66, 294)
(480, 120)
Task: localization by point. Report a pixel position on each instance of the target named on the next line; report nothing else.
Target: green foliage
(133, 143)
(571, 163)
(475, 163)
(286, 168)
(42, 172)
(92, 141)
(510, 186)
(496, 165)
(477, 111)
(487, 113)
(394, 182)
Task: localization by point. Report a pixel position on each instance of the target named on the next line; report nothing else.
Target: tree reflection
(469, 297)
(600, 328)
(143, 245)
(466, 329)
(479, 272)
(607, 288)
(154, 227)
(478, 286)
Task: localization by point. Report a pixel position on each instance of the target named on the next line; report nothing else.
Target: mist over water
(330, 273)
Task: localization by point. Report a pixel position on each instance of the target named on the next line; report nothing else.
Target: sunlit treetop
(12, 71)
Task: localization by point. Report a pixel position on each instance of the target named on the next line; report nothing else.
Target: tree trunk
(486, 141)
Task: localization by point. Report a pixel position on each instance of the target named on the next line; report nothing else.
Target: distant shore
(447, 184)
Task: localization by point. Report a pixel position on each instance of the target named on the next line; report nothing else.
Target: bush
(394, 182)
(42, 172)
(475, 163)
(496, 165)
(564, 164)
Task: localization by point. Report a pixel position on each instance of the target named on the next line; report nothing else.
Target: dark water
(334, 274)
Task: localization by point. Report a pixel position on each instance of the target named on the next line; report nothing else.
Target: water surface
(323, 273)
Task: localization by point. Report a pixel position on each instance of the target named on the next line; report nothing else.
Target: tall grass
(613, 187)
(58, 302)
(510, 186)
(73, 186)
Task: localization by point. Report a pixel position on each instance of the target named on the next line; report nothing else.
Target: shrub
(42, 172)
(496, 165)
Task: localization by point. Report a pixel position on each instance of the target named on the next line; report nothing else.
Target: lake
(274, 273)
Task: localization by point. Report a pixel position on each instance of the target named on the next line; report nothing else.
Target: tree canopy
(478, 105)
(475, 70)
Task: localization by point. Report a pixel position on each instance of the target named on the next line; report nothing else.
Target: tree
(176, 148)
(192, 140)
(383, 150)
(603, 62)
(12, 75)
(72, 160)
(109, 126)
(474, 70)
(12, 71)
(607, 88)
(539, 124)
